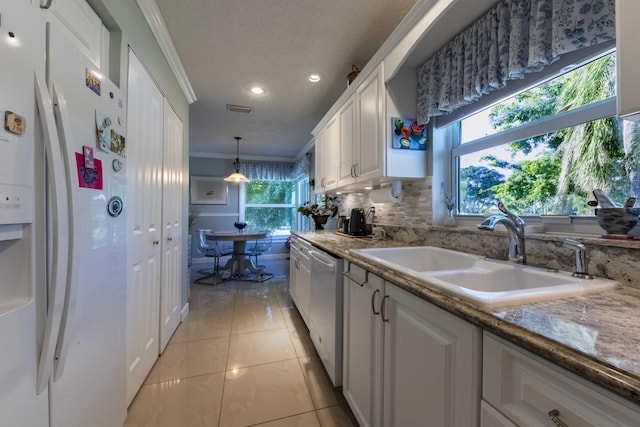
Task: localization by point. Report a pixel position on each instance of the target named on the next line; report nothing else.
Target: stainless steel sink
(483, 282)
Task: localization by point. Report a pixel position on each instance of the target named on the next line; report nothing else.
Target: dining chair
(261, 247)
(209, 247)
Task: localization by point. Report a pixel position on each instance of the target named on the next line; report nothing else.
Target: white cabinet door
(170, 289)
(319, 162)
(370, 119)
(293, 273)
(628, 58)
(362, 350)
(331, 153)
(348, 142)
(144, 227)
(304, 286)
(327, 156)
(431, 364)
(82, 27)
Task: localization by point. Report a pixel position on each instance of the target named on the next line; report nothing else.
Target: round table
(239, 262)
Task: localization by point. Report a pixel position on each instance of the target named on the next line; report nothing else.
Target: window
(269, 205)
(544, 150)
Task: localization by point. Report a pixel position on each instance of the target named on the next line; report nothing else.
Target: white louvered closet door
(171, 226)
(144, 227)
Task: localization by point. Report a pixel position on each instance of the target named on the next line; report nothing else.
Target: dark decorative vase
(320, 220)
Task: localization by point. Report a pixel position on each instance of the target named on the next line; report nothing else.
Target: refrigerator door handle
(66, 141)
(60, 234)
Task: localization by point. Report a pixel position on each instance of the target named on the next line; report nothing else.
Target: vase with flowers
(240, 226)
(320, 213)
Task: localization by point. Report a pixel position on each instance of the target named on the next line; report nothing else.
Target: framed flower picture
(209, 190)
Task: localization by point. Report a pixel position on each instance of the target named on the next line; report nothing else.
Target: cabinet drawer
(490, 417)
(529, 390)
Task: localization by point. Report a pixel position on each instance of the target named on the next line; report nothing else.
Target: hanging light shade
(237, 176)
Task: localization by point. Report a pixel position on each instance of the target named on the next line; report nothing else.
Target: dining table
(240, 261)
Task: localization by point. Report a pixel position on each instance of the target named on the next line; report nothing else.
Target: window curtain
(514, 38)
(267, 171)
(301, 168)
(276, 171)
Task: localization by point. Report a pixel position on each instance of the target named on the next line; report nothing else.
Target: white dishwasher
(325, 311)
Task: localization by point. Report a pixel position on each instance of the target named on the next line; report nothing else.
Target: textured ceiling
(228, 46)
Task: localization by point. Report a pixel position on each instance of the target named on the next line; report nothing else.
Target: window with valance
(514, 38)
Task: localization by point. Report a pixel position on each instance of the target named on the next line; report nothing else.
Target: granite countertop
(595, 336)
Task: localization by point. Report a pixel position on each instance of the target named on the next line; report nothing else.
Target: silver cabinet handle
(554, 415)
(170, 239)
(47, 5)
(373, 303)
(355, 170)
(156, 242)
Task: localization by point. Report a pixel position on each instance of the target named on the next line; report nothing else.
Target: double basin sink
(485, 283)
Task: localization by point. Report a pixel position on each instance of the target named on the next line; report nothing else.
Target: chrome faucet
(515, 227)
(581, 258)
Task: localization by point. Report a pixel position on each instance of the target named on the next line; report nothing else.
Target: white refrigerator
(62, 230)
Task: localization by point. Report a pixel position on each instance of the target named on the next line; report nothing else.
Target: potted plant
(320, 213)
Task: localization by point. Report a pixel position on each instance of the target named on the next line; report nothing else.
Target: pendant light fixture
(237, 176)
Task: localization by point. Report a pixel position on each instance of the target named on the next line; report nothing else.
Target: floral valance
(267, 171)
(301, 168)
(514, 38)
(276, 171)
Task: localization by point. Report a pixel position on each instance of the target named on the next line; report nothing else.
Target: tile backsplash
(410, 222)
(413, 211)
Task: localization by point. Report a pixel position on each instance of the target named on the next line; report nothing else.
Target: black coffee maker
(357, 222)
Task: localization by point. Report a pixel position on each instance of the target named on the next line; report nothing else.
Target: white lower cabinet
(294, 267)
(300, 276)
(407, 362)
(530, 391)
(362, 348)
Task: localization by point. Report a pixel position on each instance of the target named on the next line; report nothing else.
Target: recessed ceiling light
(314, 78)
(257, 90)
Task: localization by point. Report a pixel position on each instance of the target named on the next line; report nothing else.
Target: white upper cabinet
(348, 138)
(628, 58)
(370, 120)
(83, 28)
(354, 147)
(361, 132)
(327, 153)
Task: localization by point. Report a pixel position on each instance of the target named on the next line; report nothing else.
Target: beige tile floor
(242, 357)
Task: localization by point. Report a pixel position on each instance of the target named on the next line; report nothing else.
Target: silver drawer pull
(554, 415)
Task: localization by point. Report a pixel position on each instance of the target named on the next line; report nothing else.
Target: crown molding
(155, 21)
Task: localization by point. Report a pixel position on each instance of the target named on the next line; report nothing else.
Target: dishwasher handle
(326, 261)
